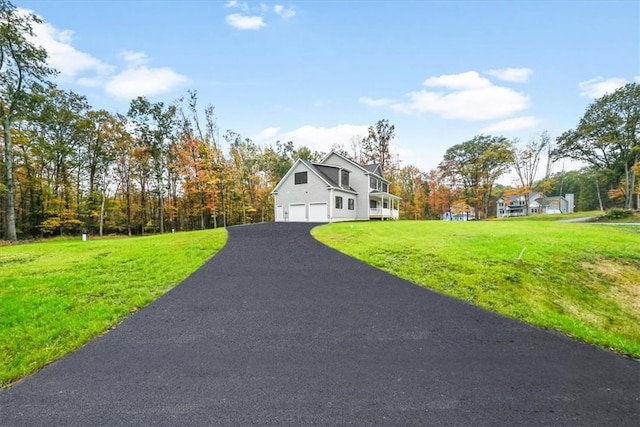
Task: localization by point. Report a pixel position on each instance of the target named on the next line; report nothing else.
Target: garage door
(297, 213)
(318, 212)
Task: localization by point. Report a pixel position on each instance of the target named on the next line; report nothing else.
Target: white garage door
(318, 212)
(297, 213)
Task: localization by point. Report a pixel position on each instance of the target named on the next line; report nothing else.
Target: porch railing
(384, 212)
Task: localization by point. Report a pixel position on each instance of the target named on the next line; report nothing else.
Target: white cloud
(382, 102)
(469, 97)
(86, 70)
(245, 22)
(315, 138)
(236, 4)
(134, 58)
(143, 81)
(283, 12)
(266, 135)
(465, 96)
(516, 75)
(71, 63)
(510, 125)
(599, 86)
(467, 80)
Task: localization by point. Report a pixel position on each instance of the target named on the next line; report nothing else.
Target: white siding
(343, 214)
(359, 181)
(314, 191)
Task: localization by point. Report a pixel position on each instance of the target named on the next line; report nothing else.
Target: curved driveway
(279, 330)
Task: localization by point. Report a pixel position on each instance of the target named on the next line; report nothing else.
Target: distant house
(334, 189)
(516, 205)
(460, 211)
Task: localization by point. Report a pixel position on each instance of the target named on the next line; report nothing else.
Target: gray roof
(375, 169)
(324, 176)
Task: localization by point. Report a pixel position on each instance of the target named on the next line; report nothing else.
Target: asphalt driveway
(279, 330)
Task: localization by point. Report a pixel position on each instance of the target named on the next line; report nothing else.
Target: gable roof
(312, 167)
(368, 169)
(375, 169)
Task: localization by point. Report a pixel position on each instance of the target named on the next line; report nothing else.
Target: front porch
(384, 206)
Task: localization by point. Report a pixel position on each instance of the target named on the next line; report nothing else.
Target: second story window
(300, 178)
(345, 178)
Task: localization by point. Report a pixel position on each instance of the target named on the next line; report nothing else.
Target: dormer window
(344, 178)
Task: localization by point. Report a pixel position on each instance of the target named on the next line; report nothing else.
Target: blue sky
(320, 72)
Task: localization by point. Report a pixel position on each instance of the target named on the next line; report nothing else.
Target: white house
(514, 205)
(334, 189)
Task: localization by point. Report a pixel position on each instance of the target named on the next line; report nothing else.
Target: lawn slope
(57, 295)
(581, 279)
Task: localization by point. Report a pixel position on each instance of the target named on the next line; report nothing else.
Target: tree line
(69, 168)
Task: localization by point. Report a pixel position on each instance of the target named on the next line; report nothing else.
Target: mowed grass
(579, 278)
(57, 295)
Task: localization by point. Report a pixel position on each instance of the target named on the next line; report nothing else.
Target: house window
(300, 178)
(373, 204)
(345, 178)
(385, 187)
(372, 182)
(385, 205)
(338, 202)
(351, 204)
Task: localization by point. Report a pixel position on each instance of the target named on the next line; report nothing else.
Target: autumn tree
(477, 164)
(413, 190)
(376, 145)
(124, 169)
(152, 128)
(442, 191)
(59, 120)
(608, 137)
(526, 160)
(21, 64)
(101, 132)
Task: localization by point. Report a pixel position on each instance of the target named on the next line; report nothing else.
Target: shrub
(617, 213)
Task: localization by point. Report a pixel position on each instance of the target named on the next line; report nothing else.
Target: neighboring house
(334, 189)
(515, 205)
(460, 211)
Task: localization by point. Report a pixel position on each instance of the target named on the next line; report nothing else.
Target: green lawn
(57, 295)
(556, 217)
(578, 278)
(590, 216)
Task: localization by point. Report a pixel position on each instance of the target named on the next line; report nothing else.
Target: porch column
(331, 202)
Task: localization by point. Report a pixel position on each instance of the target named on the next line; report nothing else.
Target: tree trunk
(599, 197)
(629, 184)
(128, 199)
(202, 206)
(102, 213)
(10, 213)
(632, 186)
(161, 212)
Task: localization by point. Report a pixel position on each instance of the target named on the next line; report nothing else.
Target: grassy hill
(578, 278)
